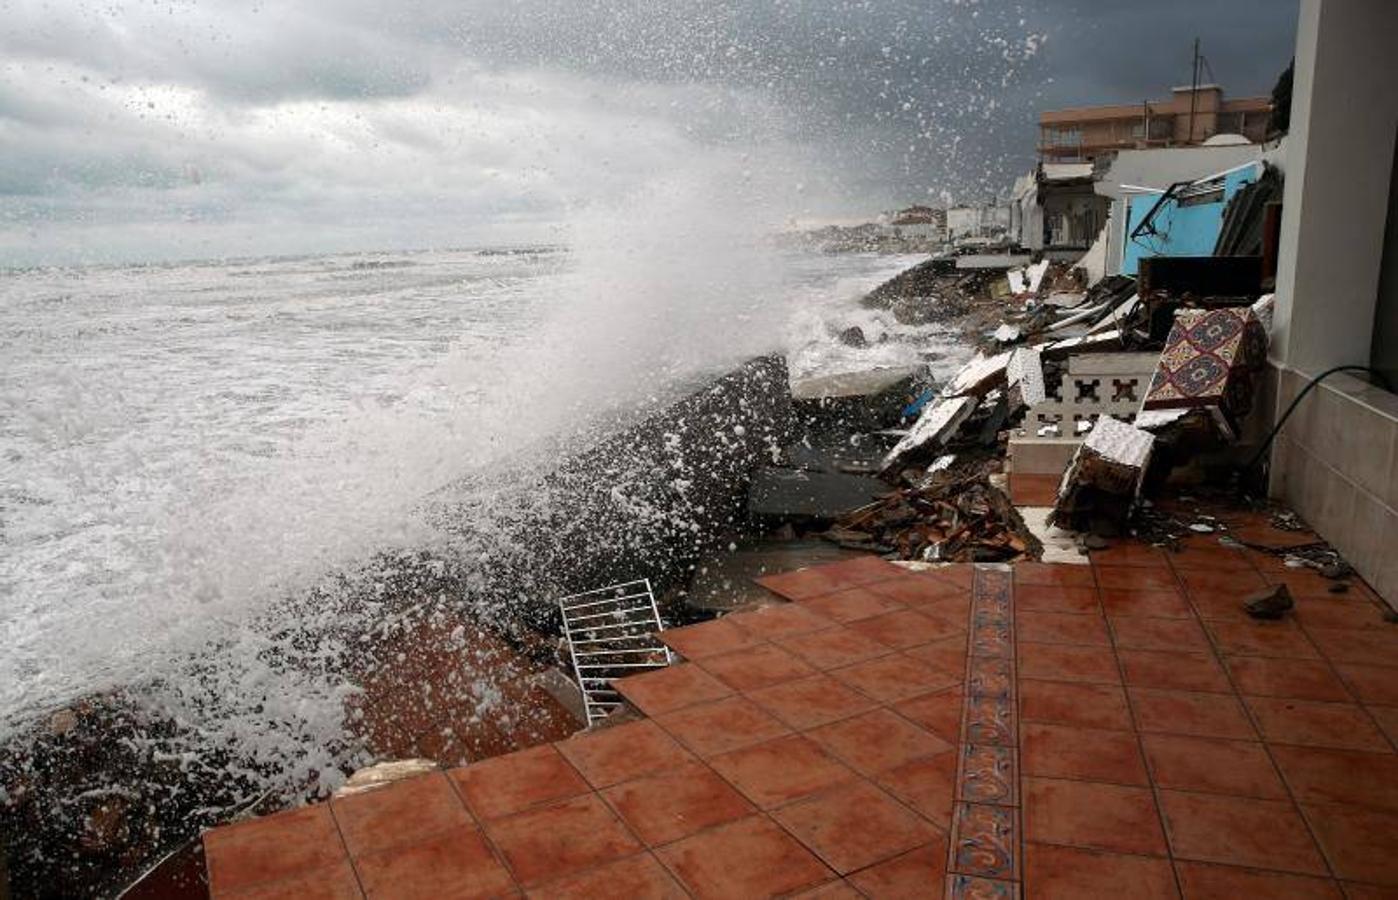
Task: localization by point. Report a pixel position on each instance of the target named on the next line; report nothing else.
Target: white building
(984, 220)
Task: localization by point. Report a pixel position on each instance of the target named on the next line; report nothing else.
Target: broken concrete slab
(937, 423)
(846, 458)
(979, 376)
(1024, 376)
(383, 774)
(1095, 343)
(857, 401)
(976, 261)
(1116, 319)
(1059, 545)
(790, 494)
(1077, 318)
(1006, 334)
(843, 385)
(1156, 420)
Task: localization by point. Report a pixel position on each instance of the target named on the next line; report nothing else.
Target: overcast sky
(159, 129)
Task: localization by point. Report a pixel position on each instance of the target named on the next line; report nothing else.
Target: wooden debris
(944, 518)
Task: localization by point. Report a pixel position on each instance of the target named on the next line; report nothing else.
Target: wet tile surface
(1117, 729)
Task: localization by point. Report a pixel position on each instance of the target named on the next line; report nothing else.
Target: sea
(182, 443)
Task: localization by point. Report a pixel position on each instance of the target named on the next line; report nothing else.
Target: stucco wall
(1335, 460)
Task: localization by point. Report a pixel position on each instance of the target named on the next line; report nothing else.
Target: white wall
(1344, 112)
(1336, 459)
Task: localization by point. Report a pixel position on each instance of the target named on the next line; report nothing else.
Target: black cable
(1276, 429)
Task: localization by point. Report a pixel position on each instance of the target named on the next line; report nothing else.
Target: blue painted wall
(1182, 230)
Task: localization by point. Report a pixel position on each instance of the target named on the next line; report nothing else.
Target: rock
(1271, 603)
(853, 336)
(919, 281)
(915, 310)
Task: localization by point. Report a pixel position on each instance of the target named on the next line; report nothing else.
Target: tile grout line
(1354, 694)
(1220, 657)
(757, 811)
(888, 706)
(354, 863)
(1136, 730)
(953, 829)
(495, 851)
(1369, 716)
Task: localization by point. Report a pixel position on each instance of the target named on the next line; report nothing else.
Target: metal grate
(611, 633)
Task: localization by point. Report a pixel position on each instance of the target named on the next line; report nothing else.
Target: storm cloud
(206, 129)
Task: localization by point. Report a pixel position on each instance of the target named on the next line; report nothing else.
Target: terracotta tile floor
(1113, 730)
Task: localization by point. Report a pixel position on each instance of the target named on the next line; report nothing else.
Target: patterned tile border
(984, 854)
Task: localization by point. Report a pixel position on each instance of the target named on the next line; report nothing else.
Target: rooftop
(1114, 729)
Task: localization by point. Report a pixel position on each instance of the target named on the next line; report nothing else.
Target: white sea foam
(185, 445)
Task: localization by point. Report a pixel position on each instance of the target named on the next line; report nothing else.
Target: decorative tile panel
(984, 854)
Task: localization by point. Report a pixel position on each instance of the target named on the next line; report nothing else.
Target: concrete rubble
(1112, 384)
(1104, 478)
(380, 774)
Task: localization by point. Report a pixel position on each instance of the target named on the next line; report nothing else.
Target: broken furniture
(1210, 359)
(611, 633)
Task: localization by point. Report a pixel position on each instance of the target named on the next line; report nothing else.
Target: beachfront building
(1054, 209)
(919, 222)
(1131, 181)
(982, 220)
(1192, 116)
